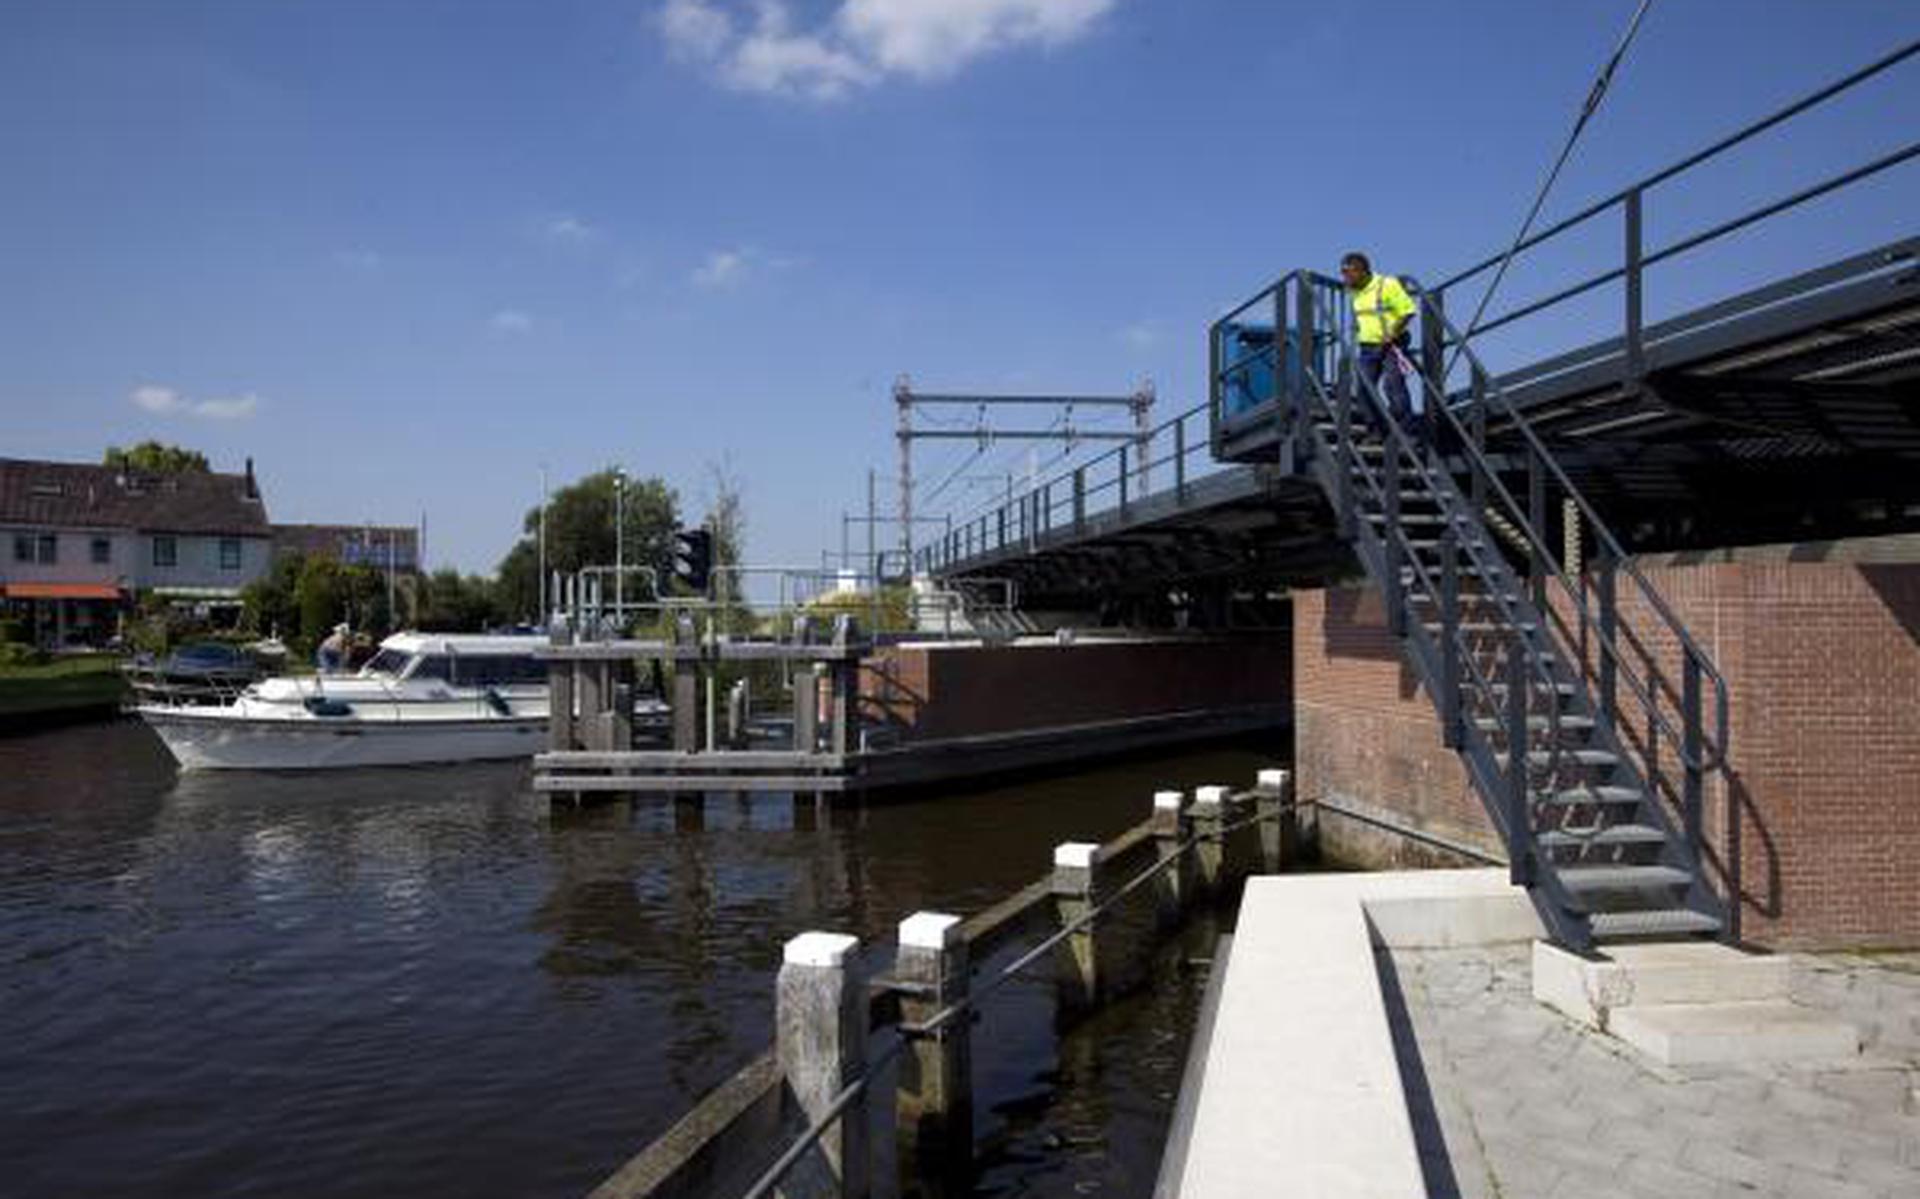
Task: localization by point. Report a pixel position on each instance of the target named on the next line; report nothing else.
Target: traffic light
(693, 558)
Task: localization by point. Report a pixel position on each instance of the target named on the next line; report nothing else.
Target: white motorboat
(424, 697)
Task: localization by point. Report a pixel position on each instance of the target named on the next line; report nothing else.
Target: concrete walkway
(1510, 1099)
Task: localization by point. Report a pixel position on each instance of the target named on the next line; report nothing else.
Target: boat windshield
(388, 661)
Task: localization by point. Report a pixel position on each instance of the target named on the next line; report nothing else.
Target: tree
(155, 458)
(451, 602)
(580, 532)
(726, 520)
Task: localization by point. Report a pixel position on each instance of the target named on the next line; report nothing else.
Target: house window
(166, 551)
(49, 548)
(102, 551)
(23, 547)
(229, 553)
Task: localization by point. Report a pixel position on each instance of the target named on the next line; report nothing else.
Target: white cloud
(230, 408)
(163, 400)
(1142, 335)
(167, 401)
(566, 228)
(862, 41)
(510, 320)
(723, 268)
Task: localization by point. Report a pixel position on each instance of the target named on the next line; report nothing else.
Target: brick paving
(1513, 1101)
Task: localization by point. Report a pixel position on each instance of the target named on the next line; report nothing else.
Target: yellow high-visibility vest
(1382, 302)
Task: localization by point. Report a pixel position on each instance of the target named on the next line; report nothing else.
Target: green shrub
(16, 653)
(12, 631)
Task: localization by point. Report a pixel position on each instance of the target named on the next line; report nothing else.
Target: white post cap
(1272, 779)
(820, 949)
(1168, 801)
(929, 930)
(1213, 794)
(1080, 855)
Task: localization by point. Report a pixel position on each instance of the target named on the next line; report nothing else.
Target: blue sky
(403, 254)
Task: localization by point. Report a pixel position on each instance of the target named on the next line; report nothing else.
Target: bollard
(560, 690)
(1076, 891)
(1209, 815)
(934, 1102)
(1173, 886)
(806, 709)
(1279, 835)
(820, 1011)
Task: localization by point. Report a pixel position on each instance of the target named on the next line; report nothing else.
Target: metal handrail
(1746, 133)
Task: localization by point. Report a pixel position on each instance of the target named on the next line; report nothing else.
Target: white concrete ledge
(1302, 1093)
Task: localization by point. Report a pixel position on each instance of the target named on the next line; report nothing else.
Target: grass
(61, 685)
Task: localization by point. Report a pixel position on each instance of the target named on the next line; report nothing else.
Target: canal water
(421, 982)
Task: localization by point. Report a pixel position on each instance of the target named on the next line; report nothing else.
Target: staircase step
(1700, 1034)
(1483, 626)
(1660, 922)
(1573, 797)
(1539, 758)
(1536, 724)
(1562, 688)
(1613, 836)
(1409, 518)
(1587, 880)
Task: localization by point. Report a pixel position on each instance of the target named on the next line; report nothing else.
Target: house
(79, 543)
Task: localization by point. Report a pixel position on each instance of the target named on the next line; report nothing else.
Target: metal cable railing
(771, 1177)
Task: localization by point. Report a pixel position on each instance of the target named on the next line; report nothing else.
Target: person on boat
(1381, 311)
(331, 657)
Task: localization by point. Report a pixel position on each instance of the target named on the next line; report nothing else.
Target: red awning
(99, 591)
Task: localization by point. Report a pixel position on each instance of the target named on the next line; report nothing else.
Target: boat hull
(209, 739)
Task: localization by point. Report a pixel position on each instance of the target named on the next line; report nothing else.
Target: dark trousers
(1377, 367)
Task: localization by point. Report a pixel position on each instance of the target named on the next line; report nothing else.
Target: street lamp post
(619, 544)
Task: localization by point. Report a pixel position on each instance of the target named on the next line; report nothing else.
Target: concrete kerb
(1305, 945)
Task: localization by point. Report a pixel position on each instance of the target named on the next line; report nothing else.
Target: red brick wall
(1822, 662)
(952, 691)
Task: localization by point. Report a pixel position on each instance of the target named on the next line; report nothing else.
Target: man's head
(1355, 270)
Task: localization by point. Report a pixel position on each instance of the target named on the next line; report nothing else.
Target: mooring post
(560, 689)
(1076, 892)
(934, 1104)
(1209, 814)
(686, 688)
(1171, 828)
(737, 715)
(820, 1010)
(1279, 837)
(592, 681)
(806, 708)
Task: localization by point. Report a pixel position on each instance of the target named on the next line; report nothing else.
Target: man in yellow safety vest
(1381, 310)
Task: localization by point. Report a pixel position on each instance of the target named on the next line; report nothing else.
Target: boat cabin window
(498, 671)
(388, 661)
(433, 666)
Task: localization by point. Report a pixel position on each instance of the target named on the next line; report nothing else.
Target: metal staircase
(1586, 716)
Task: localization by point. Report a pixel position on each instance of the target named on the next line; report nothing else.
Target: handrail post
(1390, 533)
(1180, 462)
(1477, 422)
(1123, 480)
(1450, 721)
(1303, 362)
(1433, 388)
(1608, 571)
(1080, 499)
(1537, 565)
(1635, 343)
(1519, 826)
(1285, 391)
(1343, 442)
(1691, 751)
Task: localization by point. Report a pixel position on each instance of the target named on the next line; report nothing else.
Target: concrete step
(1595, 988)
(1701, 1034)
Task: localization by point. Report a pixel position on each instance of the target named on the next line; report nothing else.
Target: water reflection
(369, 982)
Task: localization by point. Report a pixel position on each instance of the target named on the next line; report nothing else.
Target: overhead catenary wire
(1591, 105)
